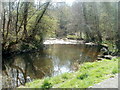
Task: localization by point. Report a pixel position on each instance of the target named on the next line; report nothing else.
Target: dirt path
(109, 83)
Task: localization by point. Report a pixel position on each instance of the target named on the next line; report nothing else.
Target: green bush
(82, 76)
(46, 84)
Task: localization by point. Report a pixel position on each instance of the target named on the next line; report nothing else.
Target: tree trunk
(96, 23)
(25, 15)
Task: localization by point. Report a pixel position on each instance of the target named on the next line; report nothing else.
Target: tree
(17, 30)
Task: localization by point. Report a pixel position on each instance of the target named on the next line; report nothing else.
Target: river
(56, 59)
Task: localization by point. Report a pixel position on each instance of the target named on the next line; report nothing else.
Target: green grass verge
(88, 74)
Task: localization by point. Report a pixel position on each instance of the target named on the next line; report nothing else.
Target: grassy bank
(88, 74)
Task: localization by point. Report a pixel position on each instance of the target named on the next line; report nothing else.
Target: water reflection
(56, 59)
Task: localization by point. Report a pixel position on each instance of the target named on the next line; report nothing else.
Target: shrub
(82, 76)
(46, 84)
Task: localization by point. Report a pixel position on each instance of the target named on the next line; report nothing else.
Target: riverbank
(51, 41)
(45, 42)
(88, 74)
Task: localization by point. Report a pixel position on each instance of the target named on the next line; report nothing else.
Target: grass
(88, 74)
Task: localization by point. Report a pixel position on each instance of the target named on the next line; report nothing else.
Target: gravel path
(109, 83)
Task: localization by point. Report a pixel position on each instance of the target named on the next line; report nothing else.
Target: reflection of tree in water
(88, 53)
(21, 69)
(17, 72)
(43, 65)
(62, 56)
(12, 73)
(70, 56)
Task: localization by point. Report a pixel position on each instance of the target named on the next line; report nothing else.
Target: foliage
(72, 37)
(46, 84)
(83, 76)
(49, 26)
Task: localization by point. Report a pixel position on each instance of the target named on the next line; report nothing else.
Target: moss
(88, 74)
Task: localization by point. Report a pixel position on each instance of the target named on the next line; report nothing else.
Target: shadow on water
(56, 59)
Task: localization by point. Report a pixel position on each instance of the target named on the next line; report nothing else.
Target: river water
(56, 59)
